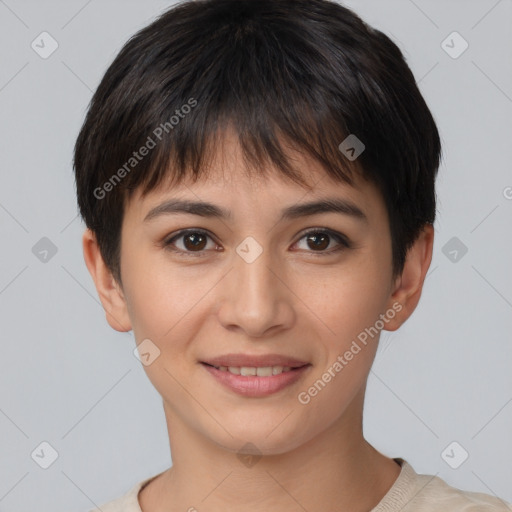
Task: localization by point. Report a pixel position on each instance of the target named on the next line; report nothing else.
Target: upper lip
(239, 360)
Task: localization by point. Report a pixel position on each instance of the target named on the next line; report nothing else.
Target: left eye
(196, 241)
(319, 239)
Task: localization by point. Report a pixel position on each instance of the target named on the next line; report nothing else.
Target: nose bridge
(257, 301)
(254, 275)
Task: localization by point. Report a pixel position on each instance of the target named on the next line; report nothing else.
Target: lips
(256, 386)
(256, 375)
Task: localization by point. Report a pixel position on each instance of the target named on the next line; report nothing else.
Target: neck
(336, 470)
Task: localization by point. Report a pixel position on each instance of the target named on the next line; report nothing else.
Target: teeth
(261, 371)
(264, 371)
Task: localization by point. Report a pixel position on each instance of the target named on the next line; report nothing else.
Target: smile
(260, 371)
(260, 381)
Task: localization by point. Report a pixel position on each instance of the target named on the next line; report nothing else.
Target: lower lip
(257, 386)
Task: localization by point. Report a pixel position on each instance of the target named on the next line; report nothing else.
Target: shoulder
(128, 502)
(437, 494)
(413, 492)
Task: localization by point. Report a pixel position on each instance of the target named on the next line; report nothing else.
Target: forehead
(228, 179)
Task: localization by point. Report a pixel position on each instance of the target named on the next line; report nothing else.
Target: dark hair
(305, 72)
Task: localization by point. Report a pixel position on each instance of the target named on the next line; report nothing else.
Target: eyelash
(338, 237)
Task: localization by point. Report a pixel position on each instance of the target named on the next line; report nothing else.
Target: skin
(294, 300)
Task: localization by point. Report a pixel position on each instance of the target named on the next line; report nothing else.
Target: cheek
(348, 308)
(163, 307)
(158, 297)
(346, 302)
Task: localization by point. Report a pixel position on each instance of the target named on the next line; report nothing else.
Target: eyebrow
(205, 209)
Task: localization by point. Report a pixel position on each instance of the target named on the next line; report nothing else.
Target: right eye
(193, 242)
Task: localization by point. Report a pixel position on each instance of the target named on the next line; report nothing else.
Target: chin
(259, 440)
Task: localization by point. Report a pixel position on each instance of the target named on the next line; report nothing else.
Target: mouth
(256, 376)
(256, 371)
(254, 361)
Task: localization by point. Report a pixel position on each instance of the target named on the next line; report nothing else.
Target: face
(258, 289)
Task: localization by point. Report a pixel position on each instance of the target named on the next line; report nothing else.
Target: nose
(257, 298)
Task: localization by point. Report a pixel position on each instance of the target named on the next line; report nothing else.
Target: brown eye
(189, 242)
(319, 240)
(194, 241)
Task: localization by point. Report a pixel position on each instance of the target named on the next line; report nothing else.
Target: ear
(109, 291)
(407, 287)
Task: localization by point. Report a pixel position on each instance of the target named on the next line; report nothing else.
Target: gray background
(68, 379)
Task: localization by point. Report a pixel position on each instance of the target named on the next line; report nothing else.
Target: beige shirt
(411, 492)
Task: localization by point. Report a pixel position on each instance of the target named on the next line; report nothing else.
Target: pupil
(193, 239)
(315, 237)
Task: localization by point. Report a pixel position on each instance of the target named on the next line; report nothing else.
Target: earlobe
(109, 291)
(409, 285)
